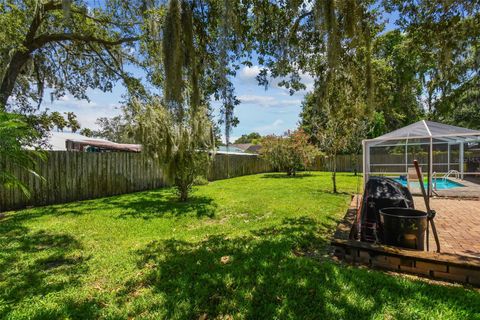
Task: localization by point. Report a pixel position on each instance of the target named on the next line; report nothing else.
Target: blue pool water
(440, 184)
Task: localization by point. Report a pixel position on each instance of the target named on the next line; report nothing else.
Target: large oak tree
(65, 45)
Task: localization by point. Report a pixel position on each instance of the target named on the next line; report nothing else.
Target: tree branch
(297, 21)
(105, 21)
(120, 73)
(52, 5)
(43, 39)
(57, 5)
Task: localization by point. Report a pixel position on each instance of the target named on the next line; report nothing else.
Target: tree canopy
(253, 137)
(442, 37)
(428, 66)
(64, 45)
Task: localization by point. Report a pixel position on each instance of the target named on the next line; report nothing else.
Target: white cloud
(264, 101)
(88, 120)
(87, 112)
(232, 138)
(114, 106)
(68, 101)
(268, 101)
(248, 76)
(249, 73)
(275, 126)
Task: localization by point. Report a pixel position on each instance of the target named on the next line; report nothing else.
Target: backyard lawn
(249, 247)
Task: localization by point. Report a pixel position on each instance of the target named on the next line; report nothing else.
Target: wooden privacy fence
(234, 165)
(345, 163)
(71, 176)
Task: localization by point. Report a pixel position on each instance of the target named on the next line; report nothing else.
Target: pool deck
(458, 227)
(469, 190)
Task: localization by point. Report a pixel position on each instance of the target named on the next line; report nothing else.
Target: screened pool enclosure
(443, 151)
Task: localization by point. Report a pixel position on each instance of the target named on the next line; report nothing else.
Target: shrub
(290, 152)
(200, 181)
(16, 134)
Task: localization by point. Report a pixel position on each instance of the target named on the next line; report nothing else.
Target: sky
(266, 111)
(271, 111)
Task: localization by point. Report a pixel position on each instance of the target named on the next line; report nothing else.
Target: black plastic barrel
(403, 227)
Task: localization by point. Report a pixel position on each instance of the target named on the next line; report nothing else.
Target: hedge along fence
(71, 176)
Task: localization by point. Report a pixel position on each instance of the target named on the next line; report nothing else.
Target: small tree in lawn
(341, 112)
(333, 139)
(289, 153)
(302, 152)
(365, 127)
(176, 130)
(182, 148)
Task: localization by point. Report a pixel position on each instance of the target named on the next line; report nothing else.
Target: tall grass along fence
(71, 176)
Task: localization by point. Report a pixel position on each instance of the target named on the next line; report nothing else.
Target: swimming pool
(441, 184)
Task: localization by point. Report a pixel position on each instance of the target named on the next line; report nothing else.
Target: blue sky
(265, 111)
(271, 111)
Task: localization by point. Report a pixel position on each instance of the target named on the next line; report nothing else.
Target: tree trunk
(334, 173)
(19, 58)
(183, 193)
(355, 164)
(11, 74)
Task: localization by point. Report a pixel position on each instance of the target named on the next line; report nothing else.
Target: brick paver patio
(458, 225)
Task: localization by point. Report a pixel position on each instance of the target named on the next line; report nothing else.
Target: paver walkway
(458, 225)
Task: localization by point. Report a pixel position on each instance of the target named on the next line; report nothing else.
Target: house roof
(108, 145)
(242, 146)
(57, 141)
(254, 148)
(247, 147)
(231, 149)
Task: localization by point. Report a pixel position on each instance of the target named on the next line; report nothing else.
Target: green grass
(145, 255)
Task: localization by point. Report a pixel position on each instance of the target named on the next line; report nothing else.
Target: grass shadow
(329, 191)
(71, 208)
(143, 205)
(161, 203)
(275, 272)
(36, 263)
(299, 175)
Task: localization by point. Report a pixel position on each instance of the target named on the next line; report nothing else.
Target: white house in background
(69, 141)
